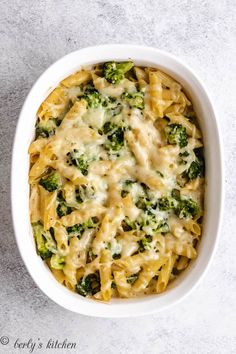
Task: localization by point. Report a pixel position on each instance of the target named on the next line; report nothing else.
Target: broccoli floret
(197, 167)
(41, 241)
(51, 182)
(46, 129)
(78, 229)
(194, 170)
(181, 160)
(186, 208)
(63, 209)
(115, 136)
(93, 98)
(145, 243)
(162, 226)
(108, 127)
(57, 262)
(89, 285)
(75, 230)
(135, 100)
(129, 225)
(115, 139)
(144, 203)
(132, 279)
(166, 203)
(91, 223)
(176, 135)
(78, 160)
(84, 192)
(115, 72)
(151, 224)
(175, 194)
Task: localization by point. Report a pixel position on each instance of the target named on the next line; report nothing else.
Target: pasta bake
(117, 181)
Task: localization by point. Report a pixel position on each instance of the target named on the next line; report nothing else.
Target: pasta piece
(35, 212)
(74, 115)
(58, 274)
(54, 104)
(77, 79)
(182, 263)
(105, 275)
(150, 178)
(141, 76)
(164, 275)
(134, 263)
(61, 238)
(123, 287)
(86, 211)
(157, 102)
(148, 272)
(37, 146)
(72, 263)
(48, 207)
(108, 228)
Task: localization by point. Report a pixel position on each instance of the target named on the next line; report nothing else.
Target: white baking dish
(214, 181)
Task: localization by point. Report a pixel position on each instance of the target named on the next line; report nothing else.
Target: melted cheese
(134, 147)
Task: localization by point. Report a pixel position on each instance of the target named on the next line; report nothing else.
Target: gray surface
(33, 34)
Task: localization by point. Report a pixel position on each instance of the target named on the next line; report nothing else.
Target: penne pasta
(117, 181)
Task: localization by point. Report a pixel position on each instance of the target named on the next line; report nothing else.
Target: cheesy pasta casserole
(117, 181)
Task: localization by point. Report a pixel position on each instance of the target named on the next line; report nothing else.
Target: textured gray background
(33, 34)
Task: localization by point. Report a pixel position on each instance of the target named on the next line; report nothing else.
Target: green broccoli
(108, 127)
(78, 229)
(145, 243)
(57, 262)
(129, 225)
(181, 160)
(91, 223)
(132, 279)
(89, 285)
(75, 230)
(135, 99)
(93, 97)
(41, 241)
(175, 194)
(144, 203)
(197, 167)
(115, 72)
(115, 139)
(63, 209)
(46, 129)
(151, 224)
(115, 136)
(176, 135)
(51, 182)
(162, 226)
(166, 203)
(78, 160)
(186, 208)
